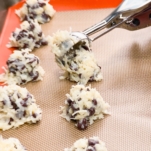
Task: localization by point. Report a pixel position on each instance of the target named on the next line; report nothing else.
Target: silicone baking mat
(125, 58)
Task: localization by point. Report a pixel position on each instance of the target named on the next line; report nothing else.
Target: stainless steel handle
(127, 9)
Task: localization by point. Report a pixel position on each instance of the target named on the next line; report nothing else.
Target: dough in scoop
(75, 59)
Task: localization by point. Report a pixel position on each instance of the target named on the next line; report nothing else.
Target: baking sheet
(125, 58)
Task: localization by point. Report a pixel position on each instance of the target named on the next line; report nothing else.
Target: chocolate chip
(43, 43)
(37, 60)
(18, 38)
(31, 36)
(35, 76)
(29, 95)
(82, 124)
(99, 66)
(79, 99)
(81, 89)
(74, 107)
(14, 105)
(25, 99)
(35, 6)
(85, 47)
(63, 62)
(24, 102)
(91, 79)
(90, 149)
(4, 102)
(25, 18)
(32, 15)
(18, 95)
(92, 142)
(11, 61)
(38, 42)
(23, 31)
(20, 67)
(25, 46)
(24, 114)
(32, 27)
(80, 75)
(69, 101)
(14, 34)
(45, 16)
(88, 89)
(75, 69)
(12, 70)
(94, 101)
(75, 55)
(10, 120)
(23, 53)
(91, 111)
(32, 60)
(42, 4)
(24, 81)
(34, 115)
(40, 34)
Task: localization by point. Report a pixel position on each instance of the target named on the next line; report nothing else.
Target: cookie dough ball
(36, 9)
(75, 59)
(84, 105)
(11, 144)
(17, 107)
(91, 144)
(22, 68)
(30, 36)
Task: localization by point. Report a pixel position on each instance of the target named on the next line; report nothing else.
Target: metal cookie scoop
(130, 15)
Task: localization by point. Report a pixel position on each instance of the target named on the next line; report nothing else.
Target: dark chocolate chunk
(42, 4)
(45, 16)
(91, 111)
(92, 142)
(10, 120)
(82, 124)
(40, 34)
(69, 101)
(94, 101)
(15, 107)
(43, 43)
(34, 115)
(25, 46)
(12, 70)
(74, 107)
(85, 47)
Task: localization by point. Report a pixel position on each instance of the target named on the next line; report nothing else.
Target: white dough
(22, 68)
(36, 9)
(75, 59)
(91, 144)
(30, 36)
(17, 107)
(11, 144)
(84, 105)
